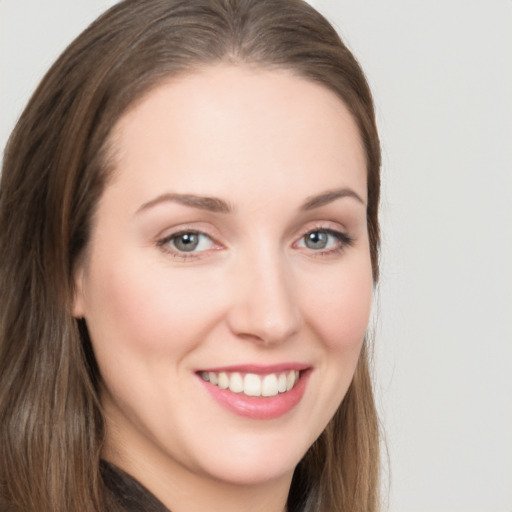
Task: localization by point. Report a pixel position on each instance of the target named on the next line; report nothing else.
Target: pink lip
(257, 369)
(261, 408)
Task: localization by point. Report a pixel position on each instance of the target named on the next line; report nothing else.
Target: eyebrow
(211, 204)
(216, 205)
(328, 197)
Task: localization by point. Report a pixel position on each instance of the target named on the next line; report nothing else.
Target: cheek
(142, 307)
(339, 308)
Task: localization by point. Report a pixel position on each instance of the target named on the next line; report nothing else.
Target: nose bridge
(265, 307)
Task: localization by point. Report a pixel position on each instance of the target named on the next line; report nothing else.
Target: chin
(255, 462)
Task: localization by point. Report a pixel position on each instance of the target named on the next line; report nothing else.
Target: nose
(264, 307)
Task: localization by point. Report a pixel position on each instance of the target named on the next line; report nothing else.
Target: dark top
(130, 495)
(125, 494)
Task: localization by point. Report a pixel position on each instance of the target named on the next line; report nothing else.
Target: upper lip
(257, 368)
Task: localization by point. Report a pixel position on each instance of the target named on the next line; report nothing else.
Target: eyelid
(170, 229)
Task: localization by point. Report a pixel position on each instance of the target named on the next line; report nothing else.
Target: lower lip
(259, 407)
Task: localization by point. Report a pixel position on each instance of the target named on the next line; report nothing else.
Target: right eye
(187, 242)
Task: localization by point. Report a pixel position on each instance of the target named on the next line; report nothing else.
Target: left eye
(189, 241)
(322, 239)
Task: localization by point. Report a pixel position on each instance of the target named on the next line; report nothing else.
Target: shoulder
(130, 495)
(7, 507)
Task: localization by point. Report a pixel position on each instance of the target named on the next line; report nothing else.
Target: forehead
(262, 126)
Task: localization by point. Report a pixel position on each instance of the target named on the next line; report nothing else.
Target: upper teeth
(252, 384)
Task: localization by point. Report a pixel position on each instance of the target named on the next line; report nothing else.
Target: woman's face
(227, 285)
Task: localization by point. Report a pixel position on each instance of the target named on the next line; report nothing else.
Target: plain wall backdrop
(441, 73)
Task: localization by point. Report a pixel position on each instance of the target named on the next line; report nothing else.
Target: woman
(189, 239)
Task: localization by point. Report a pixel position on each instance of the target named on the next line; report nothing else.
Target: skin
(264, 142)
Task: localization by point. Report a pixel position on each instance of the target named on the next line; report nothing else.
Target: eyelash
(343, 241)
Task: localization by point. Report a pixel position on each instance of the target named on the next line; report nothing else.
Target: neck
(183, 490)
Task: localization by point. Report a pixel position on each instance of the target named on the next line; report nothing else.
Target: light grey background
(441, 72)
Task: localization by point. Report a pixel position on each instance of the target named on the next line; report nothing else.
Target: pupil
(316, 240)
(186, 242)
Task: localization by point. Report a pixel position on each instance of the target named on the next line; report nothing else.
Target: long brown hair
(55, 167)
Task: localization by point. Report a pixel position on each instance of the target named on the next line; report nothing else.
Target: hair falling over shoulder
(55, 167)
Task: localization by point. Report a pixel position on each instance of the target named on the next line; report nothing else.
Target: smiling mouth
(252, 384)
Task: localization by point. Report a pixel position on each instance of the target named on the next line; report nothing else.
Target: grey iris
(186, 242)
(316, 240)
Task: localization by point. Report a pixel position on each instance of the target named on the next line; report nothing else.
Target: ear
(78, 308)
